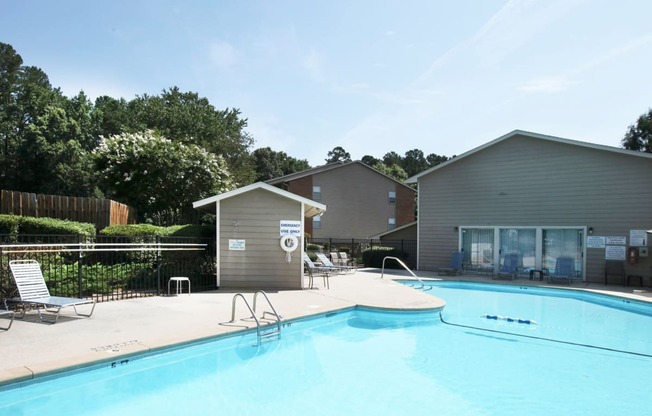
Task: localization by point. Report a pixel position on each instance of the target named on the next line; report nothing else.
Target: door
(517, 250)
(565, 243)
(478, 248)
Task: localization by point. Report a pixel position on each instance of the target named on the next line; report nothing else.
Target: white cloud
(547, 85)
(514, 25)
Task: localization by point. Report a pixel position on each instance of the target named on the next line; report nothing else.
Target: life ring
(289, 243)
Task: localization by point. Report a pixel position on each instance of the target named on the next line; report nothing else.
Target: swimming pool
(367, 362)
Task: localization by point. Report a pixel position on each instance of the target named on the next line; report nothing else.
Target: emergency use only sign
(289, 227)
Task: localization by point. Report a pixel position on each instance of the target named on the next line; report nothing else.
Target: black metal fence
(112, 268)
(108, 267)
(355, 247)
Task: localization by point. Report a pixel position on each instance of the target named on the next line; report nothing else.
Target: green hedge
(139, 230)
(374, 257)
(15, 224)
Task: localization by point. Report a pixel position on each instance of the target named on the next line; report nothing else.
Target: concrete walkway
(121, 328)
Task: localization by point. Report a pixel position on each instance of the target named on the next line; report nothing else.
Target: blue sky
(370, 76)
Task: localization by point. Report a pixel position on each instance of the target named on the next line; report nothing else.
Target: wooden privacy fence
(101, 212)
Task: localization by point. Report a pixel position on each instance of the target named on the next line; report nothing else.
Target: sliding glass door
(478, 248)
(517, 250)
(563, 246)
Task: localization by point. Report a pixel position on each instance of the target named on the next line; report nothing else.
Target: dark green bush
(15, 224)
(132, 230)
(140, 230)
(374, 257)
(9, 224)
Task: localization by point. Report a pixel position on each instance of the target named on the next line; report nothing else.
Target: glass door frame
(538, 241)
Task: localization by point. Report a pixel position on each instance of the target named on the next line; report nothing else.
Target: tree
(395, 171)
(392, 158)
(639, 135)
(47, 141)
(10, 65)
(414, 162)
(159, 177)
(189, 119)
(434, 160)
(270, 164)
(338, 154)
(370, 160)
(110, 116)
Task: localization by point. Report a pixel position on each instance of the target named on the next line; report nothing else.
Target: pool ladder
(382, 274)
(265, 333)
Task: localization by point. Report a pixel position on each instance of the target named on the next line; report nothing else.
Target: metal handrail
(406, 268)
(253, 313)
(278, 317)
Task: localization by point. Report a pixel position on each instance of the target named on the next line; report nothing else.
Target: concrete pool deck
(119, 329)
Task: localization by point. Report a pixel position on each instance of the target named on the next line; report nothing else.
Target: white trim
(218, 273)
(313, 207)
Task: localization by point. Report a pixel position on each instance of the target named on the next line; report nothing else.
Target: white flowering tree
(157, 176)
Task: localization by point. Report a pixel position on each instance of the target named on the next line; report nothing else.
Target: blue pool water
(365, 362)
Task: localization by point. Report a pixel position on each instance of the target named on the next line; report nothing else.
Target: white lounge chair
(325, 272)
(33, 292)
(327, 263)
(344, 259)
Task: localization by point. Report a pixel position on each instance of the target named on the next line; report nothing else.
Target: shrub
(16, 224)
(374, 257)
(9, 224)
(140, 230)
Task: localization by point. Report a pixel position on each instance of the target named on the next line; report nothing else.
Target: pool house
(529, 200)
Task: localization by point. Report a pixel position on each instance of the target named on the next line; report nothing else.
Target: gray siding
(262, 265)
(525, 181)
(357, 201)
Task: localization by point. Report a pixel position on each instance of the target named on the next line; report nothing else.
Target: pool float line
(510, 319)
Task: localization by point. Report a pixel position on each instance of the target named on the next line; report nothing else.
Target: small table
(535, 271)
(635, 276)
(179, 281)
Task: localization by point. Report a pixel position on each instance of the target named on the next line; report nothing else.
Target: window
(316, 222)
(391, 223)
(316, 193)
(392, 197)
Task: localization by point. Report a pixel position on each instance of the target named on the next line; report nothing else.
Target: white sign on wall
(615, 252)
(616, 240)
(637, 238)
(593, 241)
(291, 228)
(238, 245)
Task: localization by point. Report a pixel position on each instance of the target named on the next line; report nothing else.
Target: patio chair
(335, 259)
(33, 292)
(512, 262)
(344, 259)
(9, 314)
(327, 263)
(455, 267)
(313, 270)
(564, 270)
(614, 268)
